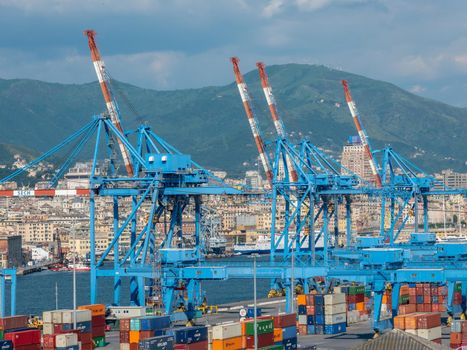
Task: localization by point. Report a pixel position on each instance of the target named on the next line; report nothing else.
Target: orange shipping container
(399, 322)
(134, 337)
(302, 329)
(96, 309)
(411, 320)
(456, 338)
(360, 306)
(277, 335)
(227, 344)
(301, 299)
(385, 299)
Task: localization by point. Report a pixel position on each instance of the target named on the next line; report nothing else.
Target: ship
(217, 245)
(263, 246)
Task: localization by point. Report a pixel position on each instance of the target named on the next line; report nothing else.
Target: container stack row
(227, 336)
(15, 334)
(359, 305)
(97, 324)
(59, 331)
(285, 331)
(264, 332)
(322, 313)
(189, 338)
(134, 330)
(458, 337)
(424, 325)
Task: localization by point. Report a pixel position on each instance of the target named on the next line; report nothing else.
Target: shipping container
(225, 331)
(157, 343)
(96, 309)
(265, 339)
(188, 335)
(284, 320)
(203, 345)
(262, 327)
(66, 340)
(22, 338)
(234, 343)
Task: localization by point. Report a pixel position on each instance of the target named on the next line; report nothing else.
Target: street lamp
(254, 256)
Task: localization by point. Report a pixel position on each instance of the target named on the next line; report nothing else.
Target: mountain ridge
(210, 123)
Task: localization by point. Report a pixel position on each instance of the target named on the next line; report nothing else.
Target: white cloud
(417, 89)
(273, 8)
(312, 5)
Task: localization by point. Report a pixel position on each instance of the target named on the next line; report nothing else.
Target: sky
(419, 45)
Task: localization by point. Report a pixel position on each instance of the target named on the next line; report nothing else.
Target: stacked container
(285, 331)
(458, 337)
(325, 314)
(12, 323)
(264, 331)
(16, 335)
(358, 306)
(60, 322)
(424, 325)
(98, 325)
(163, 342)
(427, 297)
(306, 311)
(227, 336)
(190, 338)
(134, 330)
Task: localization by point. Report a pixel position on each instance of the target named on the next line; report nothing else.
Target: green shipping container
(262, 327)
(272, 347)
(354, 290)
(99, 342)
(2, 333)
(458, 287)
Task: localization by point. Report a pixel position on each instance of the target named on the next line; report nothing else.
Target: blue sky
(420, 45)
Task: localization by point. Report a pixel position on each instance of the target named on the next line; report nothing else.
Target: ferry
(263, 246)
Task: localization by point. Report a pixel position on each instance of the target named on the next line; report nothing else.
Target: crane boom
(110, 103)
(362, 133)
(242, 88)
(278, 123)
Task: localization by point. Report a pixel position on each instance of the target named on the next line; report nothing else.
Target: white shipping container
(226, 331)
(48, 316)
(48, 328)
(411, 331)
(81, 316)
(124, 346)
(429, 334)
(333, 319)
(57, 316)
(335, 309)
(336, 298)
(127, 311)
(66, 339)
(337, 289)
(302, 319)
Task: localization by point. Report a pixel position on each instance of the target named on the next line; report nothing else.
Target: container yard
(331, 287)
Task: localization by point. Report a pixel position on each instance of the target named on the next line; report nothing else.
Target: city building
(355, 159)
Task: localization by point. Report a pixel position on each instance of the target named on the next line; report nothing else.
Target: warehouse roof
(397, 340)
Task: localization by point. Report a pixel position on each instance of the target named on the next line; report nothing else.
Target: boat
(263, 246)
(217, 245)
(79, 267)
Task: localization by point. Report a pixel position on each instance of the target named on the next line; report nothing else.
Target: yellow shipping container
(277, 335)
(227, 344)
(134, 337)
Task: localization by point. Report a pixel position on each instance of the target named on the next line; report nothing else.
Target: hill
(210, 122)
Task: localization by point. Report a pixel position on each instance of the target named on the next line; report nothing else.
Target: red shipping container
(85, 338)
(456, 338)
(98, 331)
(441, 298)
(88, 346)
(124, 336)
(352, 299)
(419, 291)
(420, 308)
(429, 320)
(435, 307)
(442, 291)
(98, 320)
(419, 285)
(442, 307)
(202, 345)
(287, 320)
(434, 290)
(310, 310)
(464, 337)
(427, 291)
(310, 300)
(426, 299)
(359, 298)
(412, 299)
(264, 340)
(302, 329)
(125, 324)
(412, 291)
(12, 322)
(29, 347)
(135, 346)
(146, 334)
(21, 338)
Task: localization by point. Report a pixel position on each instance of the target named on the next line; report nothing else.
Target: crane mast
(242, 88)
(110, 103)
(361, 133)
(278, 123)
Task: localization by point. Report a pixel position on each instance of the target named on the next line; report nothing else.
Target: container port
(330, 287)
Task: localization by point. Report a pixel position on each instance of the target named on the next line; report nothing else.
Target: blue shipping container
(302, 309)
(419, 299)
(250, 312)
(290, 344)
(84, 327)
(157, 343)
(310, 329)
(318, 299)
(74, 347)
(310, 320)
(335, 328)
(319, 319)
(6, 344)
(351, 306)
(154, 322)
(188, 335)
(289, 332)
(319, 329)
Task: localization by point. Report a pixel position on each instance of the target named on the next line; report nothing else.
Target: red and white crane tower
(242, 88)
(278, 123)
(110, 103)
(361, 133)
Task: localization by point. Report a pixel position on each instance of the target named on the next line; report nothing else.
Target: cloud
(417, 89)
(312, 5)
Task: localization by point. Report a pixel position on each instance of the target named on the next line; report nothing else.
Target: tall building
(355, 159)
(451, 179)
